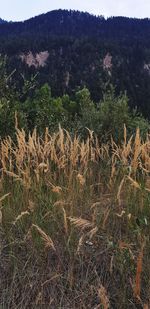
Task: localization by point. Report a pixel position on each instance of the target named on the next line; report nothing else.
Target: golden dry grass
(31, 154)
(88, 202)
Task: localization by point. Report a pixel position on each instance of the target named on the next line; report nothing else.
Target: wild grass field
(74, 221)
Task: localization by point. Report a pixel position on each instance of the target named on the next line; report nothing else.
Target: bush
(109, 116)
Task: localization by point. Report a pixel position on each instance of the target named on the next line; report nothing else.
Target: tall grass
(74, 221)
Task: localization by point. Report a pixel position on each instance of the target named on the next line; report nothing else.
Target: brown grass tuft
(103, 296)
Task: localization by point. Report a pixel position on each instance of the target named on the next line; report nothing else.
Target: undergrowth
(74, 222)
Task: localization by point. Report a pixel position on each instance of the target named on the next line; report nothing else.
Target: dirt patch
(37, 60)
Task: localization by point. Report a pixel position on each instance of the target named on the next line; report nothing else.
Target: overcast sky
(23, 9)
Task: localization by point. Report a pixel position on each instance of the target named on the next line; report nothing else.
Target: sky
(17, 10)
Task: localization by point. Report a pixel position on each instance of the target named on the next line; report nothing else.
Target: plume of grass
(106, 215)
(93, 232)
(46, 238)
(103, 297)
(80, 244)
(80, 223)
(137, 288)
(65, 220)
(137, 150)
(4, 196)
(22, 215)
(1, 217)
(119, 191)
(134, 183)
(81, 179)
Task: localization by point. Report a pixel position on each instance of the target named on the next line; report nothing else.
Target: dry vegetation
(74, 222)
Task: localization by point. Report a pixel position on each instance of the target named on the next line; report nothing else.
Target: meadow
(74, 221)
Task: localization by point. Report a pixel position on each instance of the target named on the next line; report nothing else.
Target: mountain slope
(2, 21)
(79, 24)
(80, 50)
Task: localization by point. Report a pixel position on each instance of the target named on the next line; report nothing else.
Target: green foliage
(88, 115)
(137, 120)
(43, 111)
(36, 107)
(109, 116)
(114, 112)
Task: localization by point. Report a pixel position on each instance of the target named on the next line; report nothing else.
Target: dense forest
(70, 50)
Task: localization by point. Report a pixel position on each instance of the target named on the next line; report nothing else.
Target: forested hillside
(2, 21)
(70, 50)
